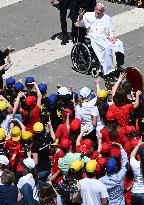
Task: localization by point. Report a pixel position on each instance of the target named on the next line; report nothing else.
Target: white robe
(99, 31)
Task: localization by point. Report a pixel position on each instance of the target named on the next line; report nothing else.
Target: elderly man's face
(99, 10)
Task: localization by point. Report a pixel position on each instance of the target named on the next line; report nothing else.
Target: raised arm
(116, 85)
(39, 96)
(16, 105)
(135, 150)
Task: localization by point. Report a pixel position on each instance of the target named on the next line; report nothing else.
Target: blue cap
(42, 87)
(19, 86)
(111, 165)
(29, 79)
(10, 81)
(142, 98)
(52, 99)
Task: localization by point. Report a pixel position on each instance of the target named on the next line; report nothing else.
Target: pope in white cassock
(106, 46)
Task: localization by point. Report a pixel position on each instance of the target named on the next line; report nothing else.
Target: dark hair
(120, 97)
(90, 174)
(102, 106)
(47, 194)
(7, 177)
(127, 86)
(111, 126)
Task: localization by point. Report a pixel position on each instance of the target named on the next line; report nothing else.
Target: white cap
(85, 92)
(29, 163)
(63, 91)
(4, 160)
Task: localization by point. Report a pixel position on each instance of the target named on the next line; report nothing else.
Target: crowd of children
(71, 148)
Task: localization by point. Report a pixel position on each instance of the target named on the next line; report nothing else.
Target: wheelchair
(84, 60)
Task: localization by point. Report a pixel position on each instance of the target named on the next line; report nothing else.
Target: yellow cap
(91, 166)
(56, 142)
(3, 105)
(38, 127)
(15, 134)
(26, 135)
(77, 165)
(102, 94)
(2, 133)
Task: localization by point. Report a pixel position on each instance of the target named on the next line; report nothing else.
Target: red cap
(30, 101)
(110, 116)
(75, 124)
(86, 145)
(65, 143)
(67, 110)
(105, 148)
(102, 161)
(129, 129)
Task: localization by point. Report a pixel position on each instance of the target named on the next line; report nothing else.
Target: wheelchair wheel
(81, 58)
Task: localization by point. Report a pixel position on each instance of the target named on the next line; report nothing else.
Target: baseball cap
(111, 165)
(65, 143)
(85, 92)
(26, 135)
(102, 94)
(29, 163)
(62, 91)
(3, 105)
(91, 166)
(110, 116)
(75, 124)
(19, 86)
(85, 146)
(67, 110)
(2, 133)
(30, 101)
(77, 165)
(15, 133)
(10, 81)
(42, 87)
(38, 127)
(105, 148)
(29, 79)
(4, 160)
(52, 99)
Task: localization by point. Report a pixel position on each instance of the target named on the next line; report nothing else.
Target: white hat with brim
(4, 160)
(85, 92)
(62, 91)
(29, 163)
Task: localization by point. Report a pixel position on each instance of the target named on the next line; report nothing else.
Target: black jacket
(75, 5)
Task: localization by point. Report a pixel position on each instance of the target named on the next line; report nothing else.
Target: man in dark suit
(63, 7)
